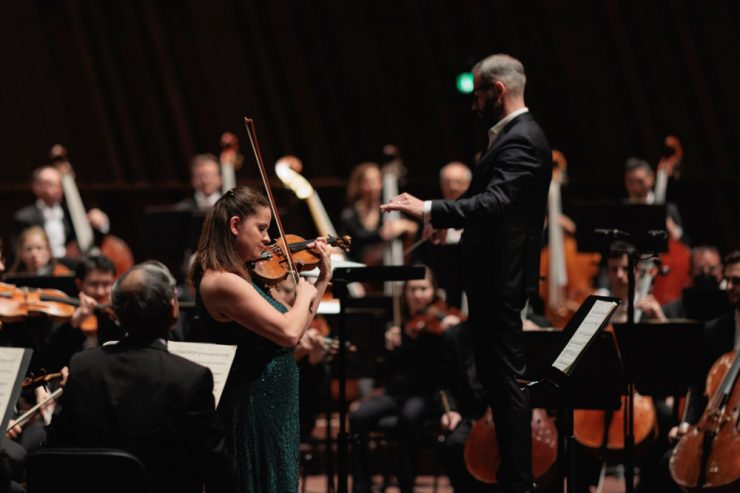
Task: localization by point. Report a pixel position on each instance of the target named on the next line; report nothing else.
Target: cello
(707, 457)
(481, 449)
(569, 273)
(112, 247)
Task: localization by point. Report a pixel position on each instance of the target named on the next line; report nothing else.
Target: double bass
(707, 457)
(677, 260)
(569, 273)
(111, 246)
(229, 160)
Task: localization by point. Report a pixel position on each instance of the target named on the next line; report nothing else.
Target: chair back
(85, 470)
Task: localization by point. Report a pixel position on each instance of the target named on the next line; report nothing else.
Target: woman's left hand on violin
(450, 321)
(324, 251)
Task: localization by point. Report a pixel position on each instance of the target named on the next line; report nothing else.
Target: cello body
(602, 432)
(482, 455)
(707, 458)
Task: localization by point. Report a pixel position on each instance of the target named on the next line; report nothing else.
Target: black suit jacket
(158, 406)
(503, 211)
(31, 216)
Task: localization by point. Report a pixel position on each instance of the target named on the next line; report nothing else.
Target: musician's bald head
(145, 300)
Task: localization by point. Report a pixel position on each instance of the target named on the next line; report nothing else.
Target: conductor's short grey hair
(503, 68)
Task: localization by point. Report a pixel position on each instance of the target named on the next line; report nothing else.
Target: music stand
(664, 355)
(341, 278)
(367, 316)
(632, 229)
(600, 224)
(170, 232)
(14, 363)
(578, 368)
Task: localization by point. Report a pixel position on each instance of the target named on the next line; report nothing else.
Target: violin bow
(252, 133)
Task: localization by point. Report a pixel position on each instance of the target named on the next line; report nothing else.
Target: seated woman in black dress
(361, 219)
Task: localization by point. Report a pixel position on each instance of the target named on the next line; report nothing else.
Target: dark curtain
(134, 88)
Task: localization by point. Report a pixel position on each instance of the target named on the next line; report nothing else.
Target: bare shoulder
(219, 285)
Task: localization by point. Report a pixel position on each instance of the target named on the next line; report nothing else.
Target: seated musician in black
(706, 274)
(92, 323)
(413, 366)
(136, 396)
(721, 335)
(205, 177)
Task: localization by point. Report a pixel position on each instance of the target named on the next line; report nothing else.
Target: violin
(481, 449)
(17, 303)
(707, 458)
(431, 318)
(272, 266)
(32, 381)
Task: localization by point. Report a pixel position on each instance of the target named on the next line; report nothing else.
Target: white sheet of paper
(216, 357)
(10, 364)
(584, 333)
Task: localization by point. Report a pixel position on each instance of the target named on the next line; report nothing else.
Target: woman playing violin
(413, 361)
(259, 406)
(33, 255)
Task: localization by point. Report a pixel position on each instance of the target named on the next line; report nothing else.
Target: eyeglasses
(481, 88)
(735, 280)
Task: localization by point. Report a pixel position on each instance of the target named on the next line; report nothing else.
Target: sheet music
(10, 363)
(597, 316)
(216, 357)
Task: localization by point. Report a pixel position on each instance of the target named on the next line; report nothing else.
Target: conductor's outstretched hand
(405, 203)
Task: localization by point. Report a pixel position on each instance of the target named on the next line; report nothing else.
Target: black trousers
(498, 346)
(412, 411)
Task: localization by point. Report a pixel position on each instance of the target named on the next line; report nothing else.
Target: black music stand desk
(667, 356)
(578, 368)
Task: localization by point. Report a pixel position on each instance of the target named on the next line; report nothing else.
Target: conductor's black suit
(502, 214)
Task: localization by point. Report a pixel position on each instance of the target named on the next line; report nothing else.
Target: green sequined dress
(259, 406)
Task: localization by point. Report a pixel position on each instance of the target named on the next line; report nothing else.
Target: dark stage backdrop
(133, 88)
